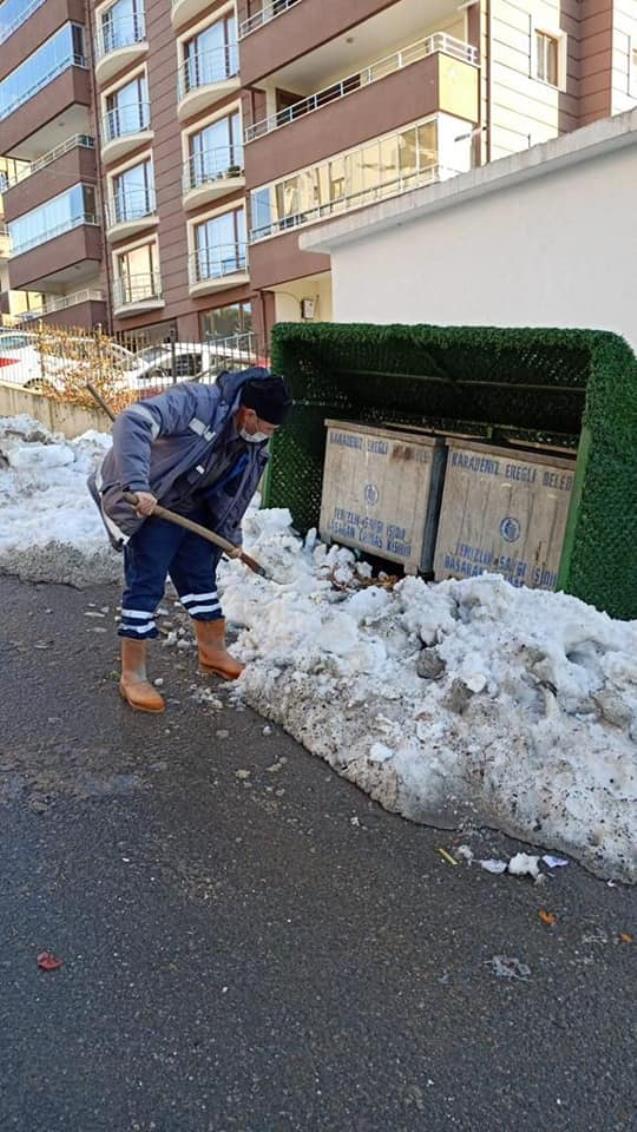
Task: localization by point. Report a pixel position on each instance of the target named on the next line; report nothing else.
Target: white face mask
(253, 437)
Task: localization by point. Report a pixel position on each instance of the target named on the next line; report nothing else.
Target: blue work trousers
(157, 550)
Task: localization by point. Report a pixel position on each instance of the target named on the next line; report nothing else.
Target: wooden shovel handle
(180, 520)
(203, 532)
(100, 400)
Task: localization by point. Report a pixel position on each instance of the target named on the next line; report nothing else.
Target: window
(227, 322)
(127, 109)
(220, 245)
(122, 24)
(138, 274)
(133, 194)
(261, 211)
(212, 55)
(548, 58)
(64, 49)
(15, 341)
(216, 151)
(25, 302)
(60, 214)
(371, 172)
(11, 170)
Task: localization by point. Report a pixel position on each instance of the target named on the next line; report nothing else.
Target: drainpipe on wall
(100, 171)
(489, 65)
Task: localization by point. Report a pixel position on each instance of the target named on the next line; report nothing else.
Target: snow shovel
(180, 520)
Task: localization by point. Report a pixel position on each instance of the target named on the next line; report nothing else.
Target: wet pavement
(250, 944)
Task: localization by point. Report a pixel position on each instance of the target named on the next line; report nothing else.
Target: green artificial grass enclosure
(569, 388)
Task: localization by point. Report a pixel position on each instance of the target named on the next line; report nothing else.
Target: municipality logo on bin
(371, 494)
(510, 529)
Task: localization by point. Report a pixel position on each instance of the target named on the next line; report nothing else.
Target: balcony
(124, 129)
(269, 11)
(118, 44)
(431, 45)
(206, 77)
(25, 25)
(64, 166)
(136, 294)
(79, 140)
(70, 255)
(273, 263)
(183, 11)
(428, 174)
(130, 211)
(436, 75)
(51, 110)
(283, 31)
(217, 269)
(212, 173)
(83, 308)
(14, 13)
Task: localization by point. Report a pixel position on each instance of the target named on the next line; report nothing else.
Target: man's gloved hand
(146, 503)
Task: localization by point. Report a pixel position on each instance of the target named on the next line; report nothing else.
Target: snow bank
(460, 702)
(49, 528)
(523, 716)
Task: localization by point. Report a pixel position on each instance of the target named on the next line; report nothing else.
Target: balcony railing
(129, 205)
(53, 303)
(70, 60)
(52, 233)
(439, 42)
(217, 262)
(125, 31)
(428, 176)
(14, 13)
(208, 67)
(269, 11)
(83, 141)
(125, 120)
(131, 289)
(218, 164)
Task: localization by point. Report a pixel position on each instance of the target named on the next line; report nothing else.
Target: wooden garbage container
(504, 511)
(381, 492)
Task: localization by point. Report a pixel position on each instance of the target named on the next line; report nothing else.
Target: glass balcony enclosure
(64, 49)
(58, 215)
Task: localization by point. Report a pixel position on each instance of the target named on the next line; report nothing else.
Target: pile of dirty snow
(50, 530)
(462, 702)
(468, 701)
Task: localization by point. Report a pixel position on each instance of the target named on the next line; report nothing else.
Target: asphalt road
(268, 950)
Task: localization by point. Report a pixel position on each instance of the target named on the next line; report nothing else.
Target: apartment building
(166, 154)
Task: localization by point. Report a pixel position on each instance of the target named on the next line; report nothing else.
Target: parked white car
(180, 361)
(23, 361)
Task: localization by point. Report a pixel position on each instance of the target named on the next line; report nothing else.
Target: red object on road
(49, 962)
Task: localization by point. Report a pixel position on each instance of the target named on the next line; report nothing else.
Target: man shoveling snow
(452, 703)
(201, 449)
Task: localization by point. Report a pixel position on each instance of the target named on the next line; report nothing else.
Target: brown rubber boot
(213, 656)
(134, 686)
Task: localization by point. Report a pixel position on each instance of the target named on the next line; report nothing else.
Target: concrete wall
(54, 415)
(549, 251)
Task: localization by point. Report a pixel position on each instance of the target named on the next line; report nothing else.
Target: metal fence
(58, 361)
